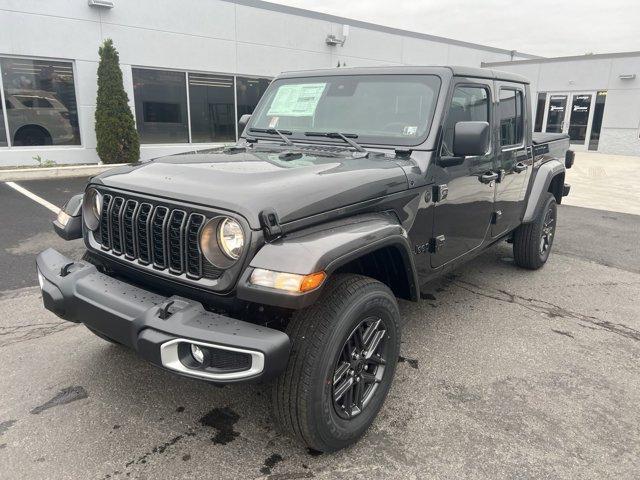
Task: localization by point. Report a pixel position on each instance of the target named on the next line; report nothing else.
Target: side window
(467, 104)
(511, 118)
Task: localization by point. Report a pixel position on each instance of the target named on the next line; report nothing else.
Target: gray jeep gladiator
(280, 259)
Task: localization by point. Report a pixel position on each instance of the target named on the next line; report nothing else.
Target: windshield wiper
(343, 136)
(274, 131)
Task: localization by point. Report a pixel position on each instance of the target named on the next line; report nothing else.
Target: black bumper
(153, 324)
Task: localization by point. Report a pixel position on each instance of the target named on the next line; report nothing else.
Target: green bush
(116, 134)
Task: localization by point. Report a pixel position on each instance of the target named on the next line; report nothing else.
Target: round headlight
(230, 238)
(222, 241)
(92, 208)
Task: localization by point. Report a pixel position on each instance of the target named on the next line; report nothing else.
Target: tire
(303, 396)
(532, 241)
(103, 337)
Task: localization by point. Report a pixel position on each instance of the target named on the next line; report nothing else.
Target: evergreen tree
(115, 129)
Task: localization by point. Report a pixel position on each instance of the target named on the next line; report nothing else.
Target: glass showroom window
(161, 106)
(248, 92)
(211, 108)
(40, 102)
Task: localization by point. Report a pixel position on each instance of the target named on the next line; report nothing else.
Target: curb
(54, 172)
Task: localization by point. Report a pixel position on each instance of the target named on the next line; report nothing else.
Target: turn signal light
(290, 282)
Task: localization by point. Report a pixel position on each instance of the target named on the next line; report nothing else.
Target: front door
(462, 219)
(514, 160)
(571, 113)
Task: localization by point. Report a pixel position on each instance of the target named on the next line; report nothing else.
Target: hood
(296, 185)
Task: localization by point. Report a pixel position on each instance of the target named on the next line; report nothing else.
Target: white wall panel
(171, 50)
(77, 9)
(470, 57)
(54, 37)
(625, 66)
(209, 18)
(622, 109)
(270, 61)
(423, 52)
(264, 27)
(575, 75)
(86, 74)
(370, 44)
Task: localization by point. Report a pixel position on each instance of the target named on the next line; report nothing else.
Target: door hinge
(440, 192)
(495, 217)
(270, 224)
(436, 244)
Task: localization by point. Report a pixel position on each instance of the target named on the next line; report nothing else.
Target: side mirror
(244, 119)
(68, 224)
(471, 139)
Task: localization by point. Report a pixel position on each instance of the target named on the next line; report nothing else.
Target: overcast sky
(550, 28)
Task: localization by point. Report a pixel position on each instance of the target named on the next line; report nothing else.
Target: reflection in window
(161, 106)
(511, 119)
(248, 92)
(40, 102)
(211, 106)
(467, 104)
(542, 100)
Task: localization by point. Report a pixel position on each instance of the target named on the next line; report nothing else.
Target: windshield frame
(370, 141)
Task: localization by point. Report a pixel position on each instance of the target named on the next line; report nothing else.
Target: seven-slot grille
(166, 238)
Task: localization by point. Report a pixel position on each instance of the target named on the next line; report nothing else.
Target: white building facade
(593, 98)
(190, 67)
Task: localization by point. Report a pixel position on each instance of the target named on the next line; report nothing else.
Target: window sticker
(297, 100)
(273, 123)
(410, 130)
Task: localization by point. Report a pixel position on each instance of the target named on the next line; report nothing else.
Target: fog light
(197, 353)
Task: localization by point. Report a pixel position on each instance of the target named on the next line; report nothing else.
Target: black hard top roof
(411, 70)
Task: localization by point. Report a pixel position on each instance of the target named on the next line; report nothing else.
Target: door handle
(489, 177)
(519, 167)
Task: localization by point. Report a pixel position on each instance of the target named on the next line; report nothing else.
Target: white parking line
(33, 197)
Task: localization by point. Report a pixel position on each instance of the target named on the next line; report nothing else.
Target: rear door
(514, 159)
(462, 219)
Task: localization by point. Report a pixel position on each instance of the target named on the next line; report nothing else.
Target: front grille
(159, 235)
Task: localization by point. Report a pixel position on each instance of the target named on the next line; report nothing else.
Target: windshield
(378, 109)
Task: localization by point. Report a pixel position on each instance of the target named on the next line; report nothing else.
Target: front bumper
(159, 328)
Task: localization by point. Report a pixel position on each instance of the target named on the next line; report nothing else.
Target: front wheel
(532, 241)
(344, 354)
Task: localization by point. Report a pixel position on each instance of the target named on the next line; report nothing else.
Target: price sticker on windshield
(298, 100)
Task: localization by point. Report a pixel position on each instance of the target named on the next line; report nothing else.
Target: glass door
(556, 111)
(570, 113)
(580, 118)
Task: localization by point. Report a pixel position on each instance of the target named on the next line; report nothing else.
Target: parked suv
(280, 259)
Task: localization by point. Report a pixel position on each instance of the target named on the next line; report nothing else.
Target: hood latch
(270, 224)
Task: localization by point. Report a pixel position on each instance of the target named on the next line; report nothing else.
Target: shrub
(116, 134)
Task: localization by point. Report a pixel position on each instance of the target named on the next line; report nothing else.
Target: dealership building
(191, 68)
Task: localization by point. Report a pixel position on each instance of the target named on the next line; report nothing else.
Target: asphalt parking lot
(504, 373)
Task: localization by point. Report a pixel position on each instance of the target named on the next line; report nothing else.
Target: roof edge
(564, 59)
(275, 7)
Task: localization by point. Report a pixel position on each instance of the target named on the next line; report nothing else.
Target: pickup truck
(280, 259)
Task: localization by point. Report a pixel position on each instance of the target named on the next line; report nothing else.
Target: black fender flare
(326, 248)
(545, 174)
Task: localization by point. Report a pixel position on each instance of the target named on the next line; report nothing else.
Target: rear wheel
(345, 350)
(532, 241)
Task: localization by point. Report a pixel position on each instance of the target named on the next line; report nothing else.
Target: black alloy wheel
(360, 368)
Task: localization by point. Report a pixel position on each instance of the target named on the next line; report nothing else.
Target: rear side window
(511, 117)
(468, 104)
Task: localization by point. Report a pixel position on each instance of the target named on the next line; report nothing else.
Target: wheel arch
(375, 245)
(549, 178)
(33, 126)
